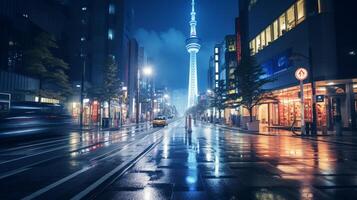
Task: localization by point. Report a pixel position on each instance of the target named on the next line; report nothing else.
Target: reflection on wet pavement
(213, 163)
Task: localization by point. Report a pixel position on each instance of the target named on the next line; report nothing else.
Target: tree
(111, 87)
(219, 98)
(42, 64)
(250, 84)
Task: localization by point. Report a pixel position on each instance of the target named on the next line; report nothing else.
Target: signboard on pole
(301, 74)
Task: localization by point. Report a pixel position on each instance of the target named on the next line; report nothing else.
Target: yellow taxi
(159, 122)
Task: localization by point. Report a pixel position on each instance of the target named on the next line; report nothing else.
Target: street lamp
(147, 71)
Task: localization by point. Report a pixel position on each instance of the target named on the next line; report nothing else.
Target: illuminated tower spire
(193, 47)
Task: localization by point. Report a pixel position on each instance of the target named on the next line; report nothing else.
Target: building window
(300, 7)
(282, 24)
(217, 77)
(275, 30)
(257, 40)
(110, 34)
(111, 9)
(216, 58)
(291, 18)
(268, 35)
(262, 38)
(286, 22)
(216, 50)
(216, 67)
(251, 47)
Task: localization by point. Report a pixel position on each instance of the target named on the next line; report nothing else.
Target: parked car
(159, 122)
(25, 118)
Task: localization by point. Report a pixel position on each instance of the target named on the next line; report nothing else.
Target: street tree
(41, 63)
(219, 98)
(250, 82)
(111, 87)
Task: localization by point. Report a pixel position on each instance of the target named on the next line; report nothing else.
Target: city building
(317, 35)
(96, 30)
(193, 47)
(20, 22)
(133, 78)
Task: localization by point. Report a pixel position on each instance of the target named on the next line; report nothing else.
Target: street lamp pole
(137, 98)
(82, 92)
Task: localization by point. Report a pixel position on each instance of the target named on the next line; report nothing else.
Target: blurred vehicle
(159, 122)
(25, 118)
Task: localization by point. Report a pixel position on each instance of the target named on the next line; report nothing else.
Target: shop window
(268, 35)
(262, 38)
(282, 24)
(275, 30)
(290, 18)
(300, 7)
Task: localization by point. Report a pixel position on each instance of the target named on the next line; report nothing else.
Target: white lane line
(51, 150)
(11, 173)
(28, 156)
(107, 176)
(55, 184)
(59, 182)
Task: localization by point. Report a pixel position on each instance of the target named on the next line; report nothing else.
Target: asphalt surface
(141, 162)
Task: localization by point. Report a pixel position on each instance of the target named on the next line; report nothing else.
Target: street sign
(320, 98)
(301, 74)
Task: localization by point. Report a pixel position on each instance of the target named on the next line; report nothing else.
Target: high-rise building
(193, 48)
(284, 35)
(21, 21)
(98, 29)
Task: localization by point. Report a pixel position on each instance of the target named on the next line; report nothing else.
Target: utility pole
(82, 92)
(137, 114)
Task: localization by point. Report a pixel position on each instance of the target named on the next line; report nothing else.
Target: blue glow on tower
(193, 47)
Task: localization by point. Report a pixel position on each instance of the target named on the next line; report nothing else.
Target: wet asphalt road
(146, 163)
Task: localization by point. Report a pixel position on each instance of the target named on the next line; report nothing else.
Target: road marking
(11, 173)
(61, 181)
(107, 176)
(55, 149)
(55, 184)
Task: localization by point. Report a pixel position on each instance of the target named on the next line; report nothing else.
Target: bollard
(189, 129)
(186, 122)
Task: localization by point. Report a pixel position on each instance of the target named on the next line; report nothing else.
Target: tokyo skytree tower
(193, 47)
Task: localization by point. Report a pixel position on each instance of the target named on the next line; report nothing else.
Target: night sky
(162, 26)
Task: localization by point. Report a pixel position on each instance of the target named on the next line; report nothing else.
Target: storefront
(333, 98)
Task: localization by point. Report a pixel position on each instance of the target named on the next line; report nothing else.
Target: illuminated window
(300, 7)
(290, 14)
(110, 34)
(268, 35)
(216, 50)
(251, 47)
(282, 24)
(254, 46)
(319, 6)
(275, 30)
(111, 9)
(257, 39)
(216, 67)
(217, 77)
(262, 38)
(216, 58)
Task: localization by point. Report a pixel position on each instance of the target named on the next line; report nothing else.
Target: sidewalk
(347, 138)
